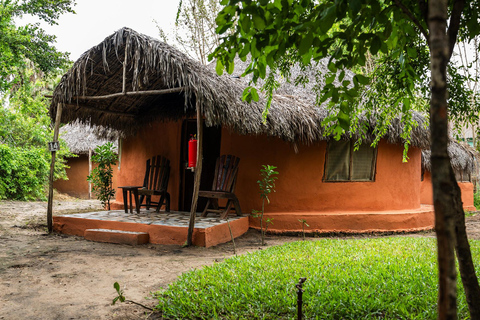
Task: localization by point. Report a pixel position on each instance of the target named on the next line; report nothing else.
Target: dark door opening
(211, 151)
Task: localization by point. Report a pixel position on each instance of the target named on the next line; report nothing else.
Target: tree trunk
(441, 168)
(464, 256)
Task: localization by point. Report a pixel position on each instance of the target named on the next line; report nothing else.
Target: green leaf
(412, 53)
(362, 79)
(305, 43)
(254, 93)
(219, 67)
(406, 105)
(344, 121)
(246, 24)
(230, 66)
(355, 6)
(330, 78)
(246, 95)
(331, 67)
(375, 45)
(328, 19)
(116, 286)
(338, 131)
(258, 22)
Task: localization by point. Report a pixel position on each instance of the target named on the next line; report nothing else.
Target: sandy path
(65, 277)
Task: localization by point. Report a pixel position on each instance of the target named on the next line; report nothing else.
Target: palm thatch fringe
(154, 65)
(462, 157)
(80, 138)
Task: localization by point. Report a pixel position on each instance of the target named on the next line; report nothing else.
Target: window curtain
(362, 164)
(338, 160)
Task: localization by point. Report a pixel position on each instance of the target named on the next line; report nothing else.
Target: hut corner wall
(77, 184)
(465, 187)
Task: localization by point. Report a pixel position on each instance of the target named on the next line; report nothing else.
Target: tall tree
(21, 44)
(272, 32)
(29, 63)
(194, 30)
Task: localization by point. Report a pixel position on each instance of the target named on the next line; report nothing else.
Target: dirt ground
(66, 277)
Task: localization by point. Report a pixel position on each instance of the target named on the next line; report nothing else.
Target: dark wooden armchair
(155, 183)
(223, 187)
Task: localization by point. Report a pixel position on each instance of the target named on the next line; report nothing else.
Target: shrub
(102, 175)
(476, 199)
(24, 173)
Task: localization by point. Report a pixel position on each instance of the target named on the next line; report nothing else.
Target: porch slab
(116, 236)
(162, 228)
(418, 219)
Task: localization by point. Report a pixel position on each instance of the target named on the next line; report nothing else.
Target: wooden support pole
(198, 174)
(89, 173)
(124, 78)
(52, 169)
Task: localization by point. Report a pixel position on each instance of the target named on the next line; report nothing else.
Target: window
(344, 164)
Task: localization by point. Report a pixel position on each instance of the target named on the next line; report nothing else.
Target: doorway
(211, 151)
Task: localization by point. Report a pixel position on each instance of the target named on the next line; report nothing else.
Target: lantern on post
(192, 152)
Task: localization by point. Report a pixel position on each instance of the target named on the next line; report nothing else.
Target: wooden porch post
(89, 173)
(52, 169)
(198, 173)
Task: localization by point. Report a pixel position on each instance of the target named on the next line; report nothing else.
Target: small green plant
(102, 175)
(120, 297)
(304, 223)
(268, 221)
(267, 186)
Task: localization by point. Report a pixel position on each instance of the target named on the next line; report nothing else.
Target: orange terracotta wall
(465, 187)
(77, 184)
(161, 138)
(300, 187)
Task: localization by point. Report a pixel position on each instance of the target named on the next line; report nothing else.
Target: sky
(96, 19)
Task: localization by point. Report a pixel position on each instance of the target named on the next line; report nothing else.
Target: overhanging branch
(454, 25)
(410, 15)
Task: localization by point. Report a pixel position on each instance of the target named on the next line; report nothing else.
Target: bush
(102, 175)
(24, 173)
(476, 199)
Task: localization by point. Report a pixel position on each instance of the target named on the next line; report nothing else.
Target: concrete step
(116, 236)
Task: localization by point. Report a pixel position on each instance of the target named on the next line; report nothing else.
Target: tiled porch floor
(150, 217)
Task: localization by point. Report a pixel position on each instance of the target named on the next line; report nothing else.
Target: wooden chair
(223, 187)
(155, 183)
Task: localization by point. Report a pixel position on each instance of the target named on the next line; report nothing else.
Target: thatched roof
(80, 138)
(154, 65)
(462, 157)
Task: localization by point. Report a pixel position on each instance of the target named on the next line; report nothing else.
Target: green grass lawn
(382, 278)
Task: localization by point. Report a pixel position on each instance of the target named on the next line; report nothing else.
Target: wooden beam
(131, 93)
(124, 78)
(118, 113)
(89, 173)
(52, 169)
(198, 174)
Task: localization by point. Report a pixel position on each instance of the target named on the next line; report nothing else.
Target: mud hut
(157, 96)
(81, 140)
